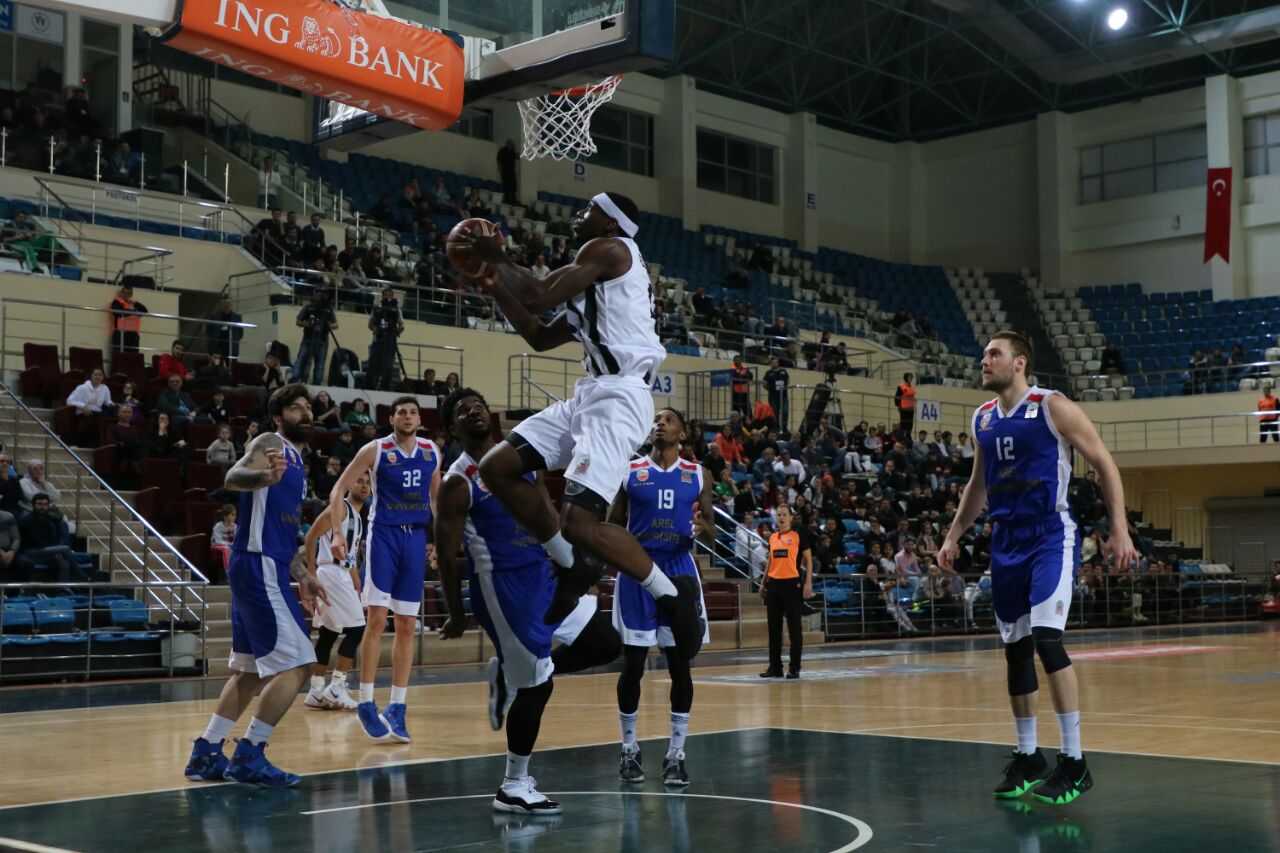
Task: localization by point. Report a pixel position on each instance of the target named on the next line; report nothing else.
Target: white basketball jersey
(355, 536)
(614, 321)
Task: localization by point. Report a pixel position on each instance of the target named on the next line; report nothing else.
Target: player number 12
(1004, 448)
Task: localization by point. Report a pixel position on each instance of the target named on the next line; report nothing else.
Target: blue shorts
(635, 613)
(268, 631)
(1032, 570)
(395, 568)
(509, 606)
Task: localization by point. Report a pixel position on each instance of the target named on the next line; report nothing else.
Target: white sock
(517, 765)
(218, 729)
(397, 694)
(339, 679)
(628, 722)
(658, 584)
(559, 549)
(1069, 731)
(317, 683)
(1027, 743)
(258, 732)
(679, 728)
(366, 691)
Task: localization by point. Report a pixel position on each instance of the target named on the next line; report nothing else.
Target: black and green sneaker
(1066, 782)
(1022, 774)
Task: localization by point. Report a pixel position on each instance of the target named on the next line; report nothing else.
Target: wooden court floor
(880, 746)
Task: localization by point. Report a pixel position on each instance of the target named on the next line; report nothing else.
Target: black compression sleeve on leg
(1020, 658)
(598, 644)
(525, 717)
(531, 458)
(324, 645)
(681, 681)
(350, 641)
(633, 658)
(1049, 645)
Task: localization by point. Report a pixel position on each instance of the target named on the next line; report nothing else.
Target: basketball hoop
(558, 125)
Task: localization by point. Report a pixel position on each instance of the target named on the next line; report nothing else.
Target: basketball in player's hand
(459, 246)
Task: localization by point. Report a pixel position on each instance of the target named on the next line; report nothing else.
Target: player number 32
(412, 479)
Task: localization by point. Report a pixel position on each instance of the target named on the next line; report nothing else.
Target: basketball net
(558, 125)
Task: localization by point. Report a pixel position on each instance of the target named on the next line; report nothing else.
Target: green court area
(753, 790)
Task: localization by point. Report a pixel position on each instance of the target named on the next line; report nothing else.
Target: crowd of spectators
(35, 531)
(37, 128)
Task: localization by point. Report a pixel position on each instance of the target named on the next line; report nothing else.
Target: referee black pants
(783, 598)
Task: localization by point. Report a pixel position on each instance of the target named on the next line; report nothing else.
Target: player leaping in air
(608, 308)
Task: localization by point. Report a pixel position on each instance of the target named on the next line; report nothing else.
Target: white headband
(606, 204)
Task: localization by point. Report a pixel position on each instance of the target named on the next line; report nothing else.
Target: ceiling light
(1117, 18)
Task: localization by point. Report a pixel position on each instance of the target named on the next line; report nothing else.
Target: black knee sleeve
(579, 495)
(530, 457)
(1049, 646)
(633, 660)
(681, 681)
(597, 644)
(350, 641)
(324, 645)
(1020, 658)
(525, 717)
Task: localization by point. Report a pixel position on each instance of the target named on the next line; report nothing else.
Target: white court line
(1091, 722)
(1007, 743)
(31, 846)
(863, 830)
(406, 763)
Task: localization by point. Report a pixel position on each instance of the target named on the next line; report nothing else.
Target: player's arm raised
(361, 463)
(1077, 430)
(262, 464)
(971, 503)
(450, 516)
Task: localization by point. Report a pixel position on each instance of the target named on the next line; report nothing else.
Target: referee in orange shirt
(783, 592)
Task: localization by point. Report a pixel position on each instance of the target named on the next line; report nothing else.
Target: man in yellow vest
(1268, 423)
(905, 401)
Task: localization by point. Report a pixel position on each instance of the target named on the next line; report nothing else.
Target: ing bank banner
(379, 65)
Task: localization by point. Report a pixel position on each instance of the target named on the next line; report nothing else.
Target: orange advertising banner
(379, 65)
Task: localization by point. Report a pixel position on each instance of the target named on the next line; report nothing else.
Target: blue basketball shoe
(250, 766)
(207, 762)
(374, 726)
(393, 716)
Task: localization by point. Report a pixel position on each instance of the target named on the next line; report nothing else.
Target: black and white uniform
(594, 433)
(343, 610)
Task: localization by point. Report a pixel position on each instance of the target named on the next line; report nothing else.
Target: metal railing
(180, 651)
(89, 202)
(24, 321)
(857, 607)
(1236, 429)
(107, 521)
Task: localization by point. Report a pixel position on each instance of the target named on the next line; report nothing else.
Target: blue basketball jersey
(1027, 464)
(402, 484)
(494, 540)
(660, 504)
(269, 517)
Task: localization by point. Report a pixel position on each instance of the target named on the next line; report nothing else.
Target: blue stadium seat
(128, 612)
(54, 615)
(18, 618)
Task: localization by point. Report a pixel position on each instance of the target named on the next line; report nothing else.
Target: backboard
(518, 49)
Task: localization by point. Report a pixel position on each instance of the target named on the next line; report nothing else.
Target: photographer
(316, 320)
(387, 323)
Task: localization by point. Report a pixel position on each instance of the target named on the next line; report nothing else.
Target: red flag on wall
(1217, 215)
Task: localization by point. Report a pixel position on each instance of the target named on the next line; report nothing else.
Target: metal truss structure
(926, 69)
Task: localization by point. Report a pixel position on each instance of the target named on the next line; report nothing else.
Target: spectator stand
(137, 562)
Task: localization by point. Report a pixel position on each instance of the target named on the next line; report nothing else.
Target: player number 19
(1004, 448)
(667, 499)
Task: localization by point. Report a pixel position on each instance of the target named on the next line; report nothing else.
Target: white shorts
(594, 433)
(343, 610)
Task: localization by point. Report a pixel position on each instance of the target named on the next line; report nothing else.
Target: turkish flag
(1217, 215)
